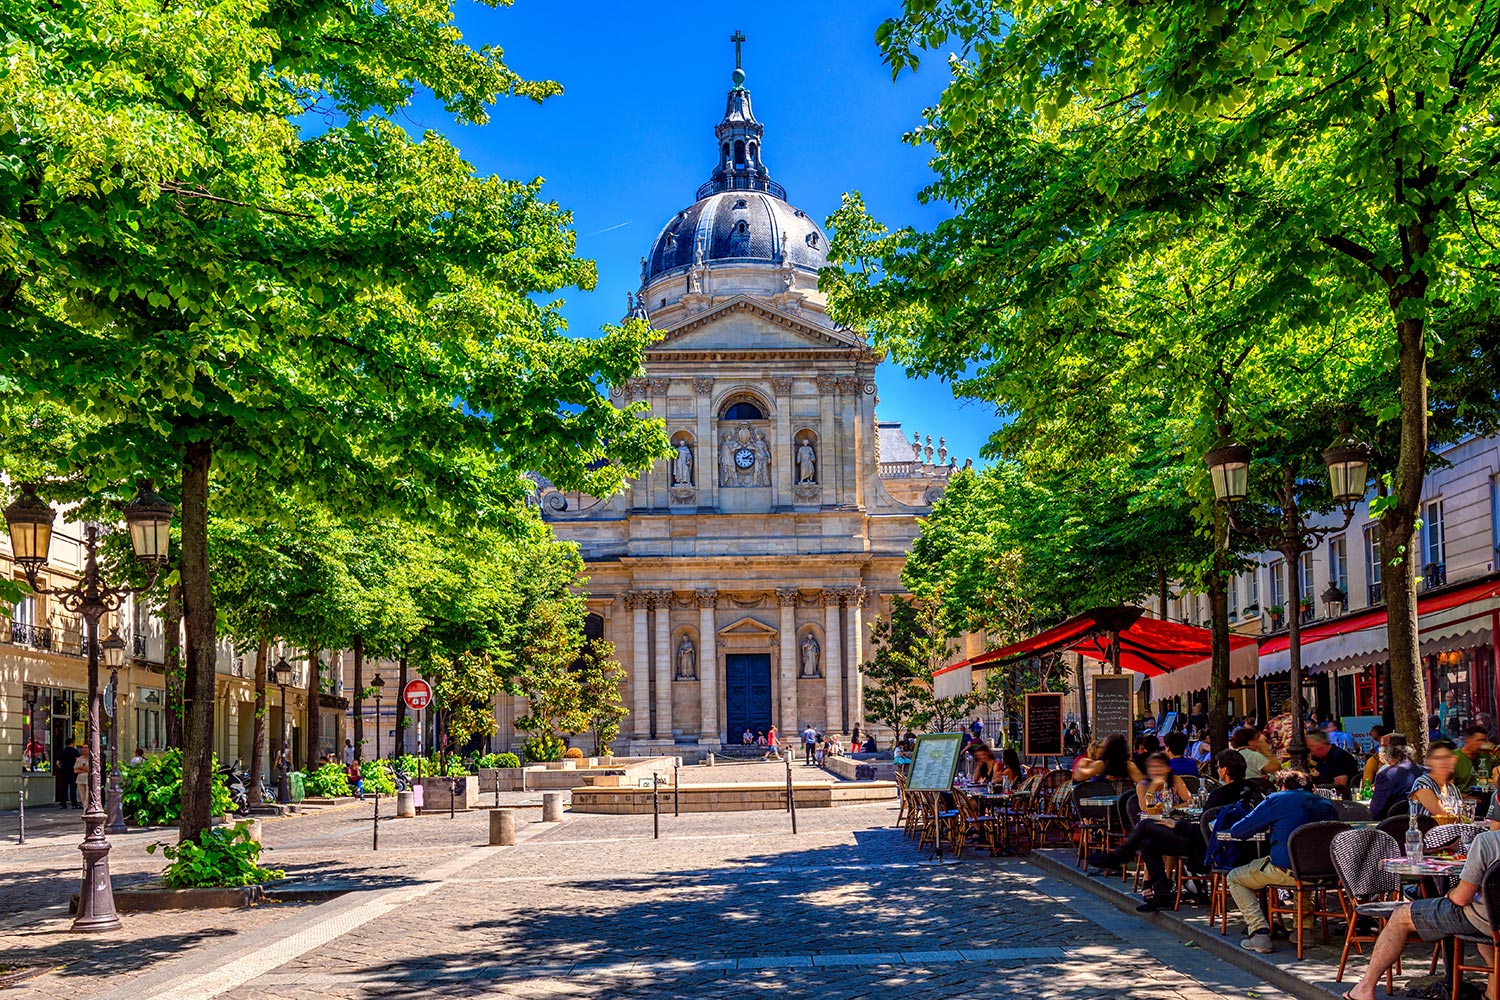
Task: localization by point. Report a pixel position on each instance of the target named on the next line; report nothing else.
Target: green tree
(1325, 169)
(232, 294)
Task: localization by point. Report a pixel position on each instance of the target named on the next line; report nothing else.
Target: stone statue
(727, 448)
(807, 462)
(687, 661)
(762, 449)
(682, 465)
(695, 280)
(810, 657)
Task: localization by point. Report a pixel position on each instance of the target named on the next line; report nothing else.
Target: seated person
(1435, 793)
(1010, 766)
(1465, 766)
(1397, 775)
(1278, 815)
(1157, 836)
(869, 746)
(1462, 911)
(1331, 765)
(1248, 741)
(986, 769)
(1176, 748)
(1373, 763)
(1089, 764)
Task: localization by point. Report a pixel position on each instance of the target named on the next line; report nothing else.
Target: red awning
(1427, 604)
(1147, 645)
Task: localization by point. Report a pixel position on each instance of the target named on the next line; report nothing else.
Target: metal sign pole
(655, 806)
(791, 797)
(375, 845)
(676, 787)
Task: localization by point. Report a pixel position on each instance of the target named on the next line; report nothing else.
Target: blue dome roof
(737, 226)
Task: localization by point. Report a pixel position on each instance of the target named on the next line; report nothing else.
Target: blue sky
(627, 144)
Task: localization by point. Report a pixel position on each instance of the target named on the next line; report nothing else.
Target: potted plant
(1251, 611)
(1277, 614)
(1305, 607)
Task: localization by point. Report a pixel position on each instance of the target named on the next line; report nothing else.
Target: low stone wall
(559, 775)
(436, 793)
(848, 768)
(731, 797)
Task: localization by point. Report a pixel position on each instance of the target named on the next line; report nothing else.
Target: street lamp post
(113, 650)
(378, 684)
(281, 673)
(149, 520)
(1348, 462)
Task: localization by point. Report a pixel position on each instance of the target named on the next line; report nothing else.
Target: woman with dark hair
(1157, 835)
(986, 767)
(1010, 766)
(1145, 747)
(1117, 763)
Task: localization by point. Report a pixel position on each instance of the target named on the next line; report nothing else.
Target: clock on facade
(744, 458)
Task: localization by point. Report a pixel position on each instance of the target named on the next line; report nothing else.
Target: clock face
(744, 458)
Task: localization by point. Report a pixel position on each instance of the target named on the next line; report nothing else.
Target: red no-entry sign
(417, 694)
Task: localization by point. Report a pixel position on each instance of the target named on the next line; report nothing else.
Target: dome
(749, 226)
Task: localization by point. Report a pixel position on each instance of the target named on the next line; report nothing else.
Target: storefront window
(52, 716)
(1461, 682)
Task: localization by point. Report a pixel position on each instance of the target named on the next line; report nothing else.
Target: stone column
(706, 471)
(781, 494)
(830, 475)
(661, 472)
(708, 668)
(832, 662)
(855, 596)
(790, 725)
(663, 603)
(639, 602)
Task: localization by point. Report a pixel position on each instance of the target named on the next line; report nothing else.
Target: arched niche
(810, 659)
(682, 467)
(743, 449)
(807, 457)
(687, 654)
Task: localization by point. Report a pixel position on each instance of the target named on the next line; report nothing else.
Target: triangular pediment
(748, 627)
(745, 323)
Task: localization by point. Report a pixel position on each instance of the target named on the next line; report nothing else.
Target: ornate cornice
(760, 310)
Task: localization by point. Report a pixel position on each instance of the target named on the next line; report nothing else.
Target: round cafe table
(1419, 872)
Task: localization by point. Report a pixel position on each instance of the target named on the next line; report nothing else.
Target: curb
(1274, 975)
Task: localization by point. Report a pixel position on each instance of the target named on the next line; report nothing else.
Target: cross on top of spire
(739, 39)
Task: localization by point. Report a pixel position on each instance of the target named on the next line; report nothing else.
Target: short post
(552, 807)
(406, 804)
(375, 830)
(497, 788)
(710, 761)
(676, 787)
(22, 838)
(452, 794)
(791, 796)
(502, 827)
(655, 806)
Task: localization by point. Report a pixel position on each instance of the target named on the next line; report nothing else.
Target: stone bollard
(502, 827)
(552, 807)
(710, 760)
(406, 805)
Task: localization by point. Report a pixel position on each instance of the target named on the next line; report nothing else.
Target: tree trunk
(172, 664)
(359, 697)
(314, 685)
(1218, 612)
(401, 707)
(1399, 548)
(202, 646)
(258, 738)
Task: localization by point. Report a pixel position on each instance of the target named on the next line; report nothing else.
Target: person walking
(773, 745)
(65, 774)
(809, 745)
(348, 752)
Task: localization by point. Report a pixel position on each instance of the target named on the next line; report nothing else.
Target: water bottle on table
(1413, 840)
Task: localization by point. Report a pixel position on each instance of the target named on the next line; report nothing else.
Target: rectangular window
(1305, 585)
(1253, 594)
(1278, 584)
(1433, 571)
(1338, 563)
(1372, 562)
(1495, 513)
(1234, 598)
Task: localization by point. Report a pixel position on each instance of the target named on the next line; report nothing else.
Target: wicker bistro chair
(1049, 812)
(1451, 835)
(904, 810)
(1368, 889)
(1098, 826)
(972, 818)
(1396, 824)
(1490, 890)
(1310, 850)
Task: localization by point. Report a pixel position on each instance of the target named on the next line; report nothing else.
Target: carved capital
(708, 599)
(830, 596)
(703, 386)
(827, 384)
(786, 597)
(659, 386)
(851, 385)
(856, 596)
(781, 386)
(635, 389)
(639, 600)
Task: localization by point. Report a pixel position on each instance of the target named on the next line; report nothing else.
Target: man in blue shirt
(1280, 813)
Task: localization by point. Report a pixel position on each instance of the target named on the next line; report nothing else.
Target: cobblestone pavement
(724, 905)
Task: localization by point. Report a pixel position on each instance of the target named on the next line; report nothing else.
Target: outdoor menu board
(1114, 715)
(934, 762)
(1044, 725)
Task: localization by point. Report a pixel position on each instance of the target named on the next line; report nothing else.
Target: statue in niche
(810, 653)
(687, 661)
(682, 465)
(762, 449)
(807, 462)
(727, 447)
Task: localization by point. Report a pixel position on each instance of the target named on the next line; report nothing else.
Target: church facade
(736, 579)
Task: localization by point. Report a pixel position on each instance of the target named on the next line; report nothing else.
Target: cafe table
(1420, 871)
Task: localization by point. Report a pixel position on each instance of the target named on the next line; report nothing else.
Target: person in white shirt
(809, 744)
(348, 752)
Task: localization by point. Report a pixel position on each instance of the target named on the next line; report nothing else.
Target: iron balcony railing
(138, 647)
(34, 636)
(1377, 594)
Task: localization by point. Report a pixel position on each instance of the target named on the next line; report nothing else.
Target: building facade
(735, 579)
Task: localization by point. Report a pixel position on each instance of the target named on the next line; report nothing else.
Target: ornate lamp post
(149, 520)
(378, 685)
(1348, 462)
(113, 651)
(281, 673)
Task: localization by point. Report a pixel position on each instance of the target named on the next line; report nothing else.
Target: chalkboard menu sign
(1044, 725)
(934, 762)
(1114, 706)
